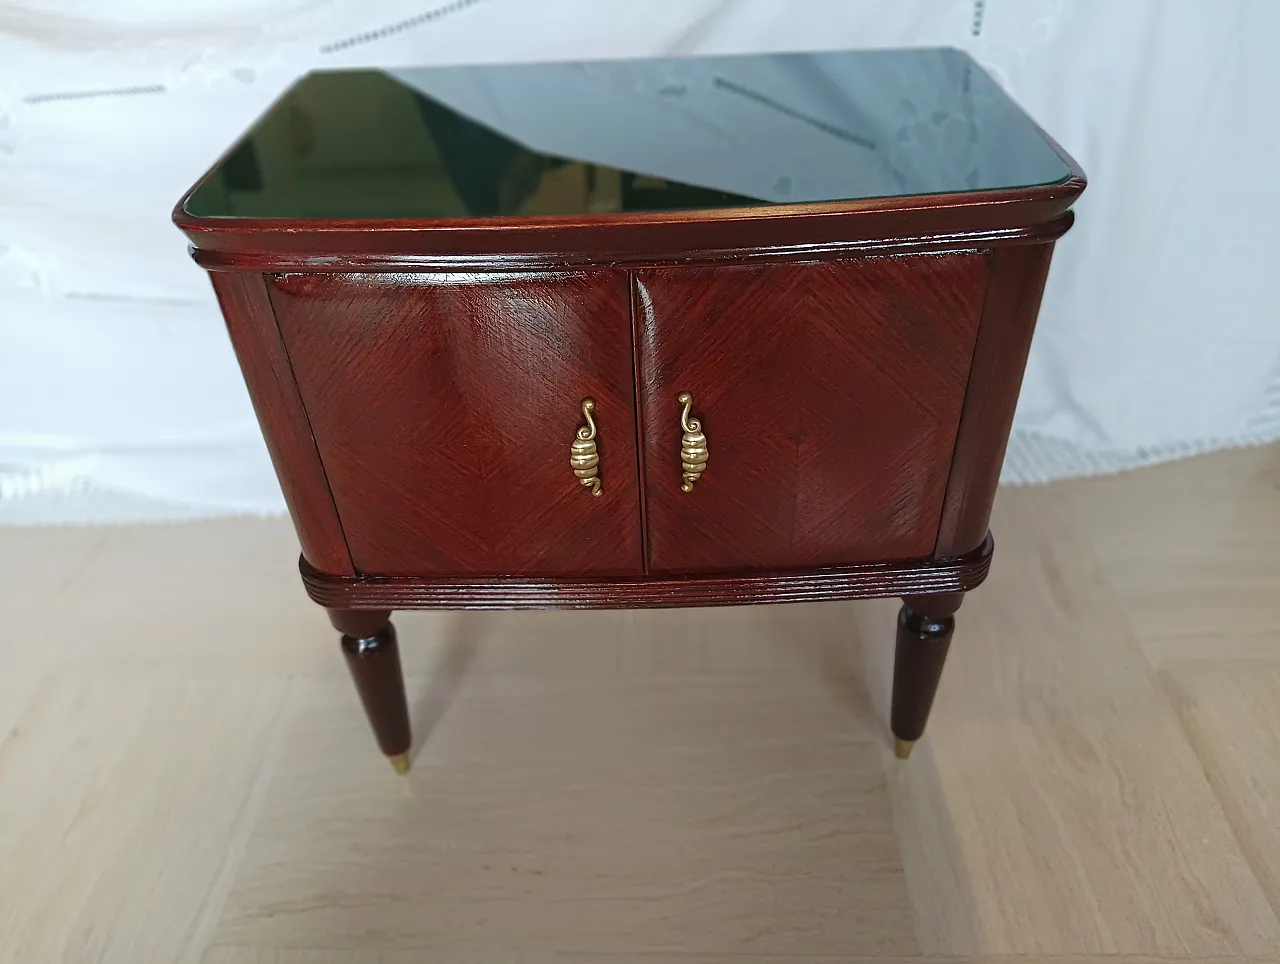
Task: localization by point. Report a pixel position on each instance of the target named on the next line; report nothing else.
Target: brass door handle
(584, 457)
(693, 446)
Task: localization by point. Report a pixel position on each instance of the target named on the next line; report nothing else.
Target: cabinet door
(444, 407)
(830, 399)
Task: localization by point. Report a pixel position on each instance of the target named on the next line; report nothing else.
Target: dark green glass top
(632, 135)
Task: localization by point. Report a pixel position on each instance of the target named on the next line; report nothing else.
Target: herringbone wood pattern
(830, 395)
(444, 406)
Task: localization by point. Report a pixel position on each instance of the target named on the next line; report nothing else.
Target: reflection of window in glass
(768, 102)
(300, 158)
(495, 176)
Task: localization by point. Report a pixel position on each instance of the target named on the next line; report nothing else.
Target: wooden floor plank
(1059, 776)
(625, 838)
(1231, 711)
(1193, 552)
(117, 803)
(186, 774)
(229, 954)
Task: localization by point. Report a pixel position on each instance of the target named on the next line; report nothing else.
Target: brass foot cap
(902, 748)
(400, 763)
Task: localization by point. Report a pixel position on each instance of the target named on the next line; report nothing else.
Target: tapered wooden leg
(925, 624)
(373, 657)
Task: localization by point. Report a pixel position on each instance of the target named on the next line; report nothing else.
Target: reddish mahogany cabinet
(727, 339)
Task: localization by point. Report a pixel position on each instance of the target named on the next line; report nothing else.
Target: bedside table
(698, 332)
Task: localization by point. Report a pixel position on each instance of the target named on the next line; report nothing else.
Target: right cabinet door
(829, 396)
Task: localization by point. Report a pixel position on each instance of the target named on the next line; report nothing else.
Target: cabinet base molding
(869, 581)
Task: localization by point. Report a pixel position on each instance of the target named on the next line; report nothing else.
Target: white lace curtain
(119, 395)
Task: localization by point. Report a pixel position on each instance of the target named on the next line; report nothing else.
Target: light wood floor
(185, 774)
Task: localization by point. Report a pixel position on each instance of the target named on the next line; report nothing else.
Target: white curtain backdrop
(119, 394)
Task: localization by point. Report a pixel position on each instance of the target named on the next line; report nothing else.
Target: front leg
(925, 624)
(373, 657)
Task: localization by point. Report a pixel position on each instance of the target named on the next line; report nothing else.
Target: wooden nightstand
(760, 342)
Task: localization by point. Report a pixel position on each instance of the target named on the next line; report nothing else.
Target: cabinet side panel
(274, 392)
(1000, 357)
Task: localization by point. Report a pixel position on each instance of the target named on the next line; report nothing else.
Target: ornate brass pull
(693, 447)
(584, 458)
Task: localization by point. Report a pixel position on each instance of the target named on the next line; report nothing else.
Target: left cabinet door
(444, 407)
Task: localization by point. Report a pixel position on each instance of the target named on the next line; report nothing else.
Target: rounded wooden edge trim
(641, 592)
(338, 253)
(1040, 201)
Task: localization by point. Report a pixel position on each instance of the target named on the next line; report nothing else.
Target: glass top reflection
(608, 137)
